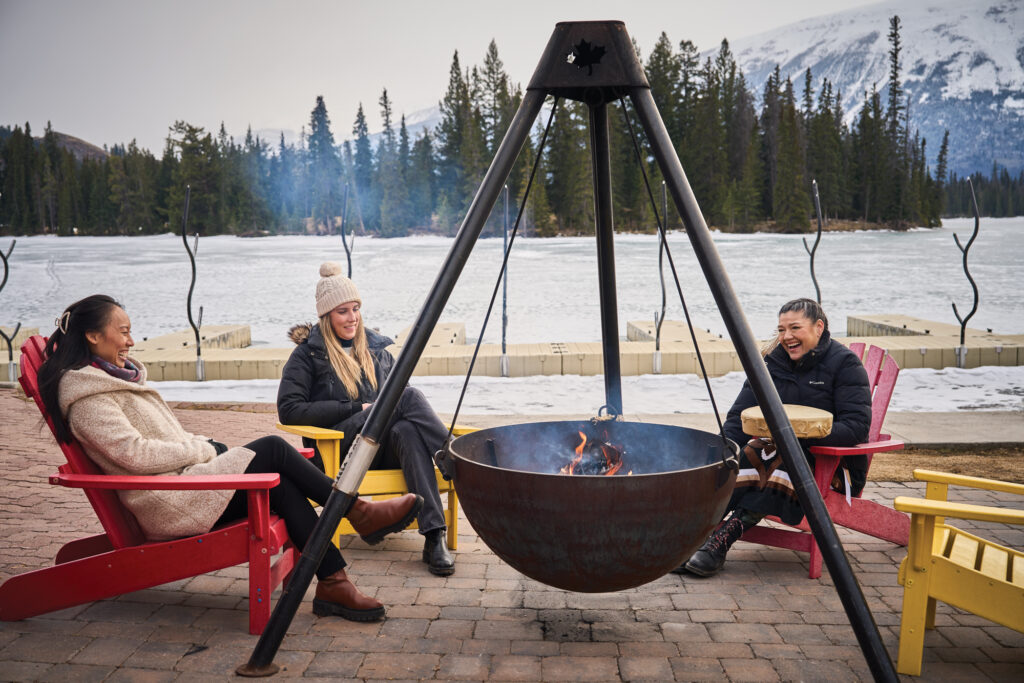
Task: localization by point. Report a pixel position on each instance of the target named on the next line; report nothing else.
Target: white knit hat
(334, 289)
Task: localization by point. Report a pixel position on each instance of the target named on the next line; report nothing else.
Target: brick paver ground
(761, 619)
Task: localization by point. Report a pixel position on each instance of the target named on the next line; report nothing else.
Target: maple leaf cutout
(586, 55)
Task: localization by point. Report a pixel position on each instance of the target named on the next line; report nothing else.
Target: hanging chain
(672, 265)
(504, 264)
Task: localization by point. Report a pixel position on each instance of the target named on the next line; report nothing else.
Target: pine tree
(791, 204)
(391, 186)
(629, 196)
(708, 171)
(770, 117)
(892, 195)
(748, 189)
(496, 104)
(689, 89)
(196, 168)
(453, 137)
(940, 174)
(324, 167)
(664, 71)
(362, 172)
(569, 185)
(422, 182)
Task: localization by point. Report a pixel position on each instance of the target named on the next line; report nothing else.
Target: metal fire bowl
(592, 533)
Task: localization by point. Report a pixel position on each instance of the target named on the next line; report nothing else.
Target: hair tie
(62, 322)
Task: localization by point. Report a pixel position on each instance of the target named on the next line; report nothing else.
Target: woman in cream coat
(97, 394)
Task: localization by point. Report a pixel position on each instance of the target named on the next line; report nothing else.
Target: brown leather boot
(336, 595)
(376, 519)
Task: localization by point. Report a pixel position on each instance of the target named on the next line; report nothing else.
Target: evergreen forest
(750, 169)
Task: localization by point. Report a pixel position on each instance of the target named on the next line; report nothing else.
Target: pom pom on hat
(334, 289)
(330, 268)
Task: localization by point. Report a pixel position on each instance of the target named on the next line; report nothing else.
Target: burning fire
(595, 457)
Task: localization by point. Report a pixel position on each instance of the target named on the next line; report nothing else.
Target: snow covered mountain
(962, 69)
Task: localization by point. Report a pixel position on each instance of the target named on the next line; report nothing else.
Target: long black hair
(808, 308)
(68, 349)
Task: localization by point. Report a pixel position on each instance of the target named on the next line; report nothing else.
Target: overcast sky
(110, 71)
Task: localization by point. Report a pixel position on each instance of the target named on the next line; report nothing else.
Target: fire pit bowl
(592, 533)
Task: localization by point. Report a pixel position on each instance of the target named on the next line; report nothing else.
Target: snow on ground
(987, 388)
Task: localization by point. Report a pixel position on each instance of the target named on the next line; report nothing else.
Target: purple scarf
(128, 373)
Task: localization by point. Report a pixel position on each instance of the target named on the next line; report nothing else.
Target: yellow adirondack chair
(379, 484)
(958, 568)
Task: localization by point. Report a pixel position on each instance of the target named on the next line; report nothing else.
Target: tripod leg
(358, 460)
(760, 381)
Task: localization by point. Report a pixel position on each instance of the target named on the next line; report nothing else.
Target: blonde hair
(349, 368)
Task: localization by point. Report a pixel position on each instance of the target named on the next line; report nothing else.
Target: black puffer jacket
(829, 377)
(311, 393)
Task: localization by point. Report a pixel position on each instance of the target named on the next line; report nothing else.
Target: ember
(595, 457)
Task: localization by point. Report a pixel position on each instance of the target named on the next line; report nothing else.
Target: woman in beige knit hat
(332, 378)
(97, 393)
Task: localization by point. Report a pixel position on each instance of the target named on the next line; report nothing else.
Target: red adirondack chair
(121, 560)
(865, 516)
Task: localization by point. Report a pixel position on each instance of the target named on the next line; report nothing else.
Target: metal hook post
(811, 250)
(961, 352)
(12, 368)
(659, 319)
(504, 362)
(200, 365)
(344, 239)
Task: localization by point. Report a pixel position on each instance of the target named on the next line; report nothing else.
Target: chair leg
(916, 594)
(912, 625)
(453, 519)
(814, 571)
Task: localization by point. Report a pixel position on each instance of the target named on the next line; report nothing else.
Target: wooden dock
(913, 343)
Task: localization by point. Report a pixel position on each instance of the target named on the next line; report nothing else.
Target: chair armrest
(971, 482)
(860, 449)
(310, 432)
(315, 433)
(942, 508)
(184, 482)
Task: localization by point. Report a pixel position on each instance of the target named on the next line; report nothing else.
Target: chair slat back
(884, 386)
(873, 363)
(120, 525)
(858, 349)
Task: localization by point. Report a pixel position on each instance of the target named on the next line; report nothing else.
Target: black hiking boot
(710, 557)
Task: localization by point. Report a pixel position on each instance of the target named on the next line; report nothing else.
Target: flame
(612, 457)
(568, 469)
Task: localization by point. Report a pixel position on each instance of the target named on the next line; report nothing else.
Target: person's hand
(366, 405)
(218, 446)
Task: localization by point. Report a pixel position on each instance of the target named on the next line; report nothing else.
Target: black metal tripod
(592, 62)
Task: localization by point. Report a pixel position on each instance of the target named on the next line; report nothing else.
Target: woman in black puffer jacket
(808, 368)
(333, 377)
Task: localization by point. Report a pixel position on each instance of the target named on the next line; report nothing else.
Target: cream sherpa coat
(127, 428)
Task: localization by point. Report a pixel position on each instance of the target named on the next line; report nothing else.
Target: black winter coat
(829, 377)
(311, 393)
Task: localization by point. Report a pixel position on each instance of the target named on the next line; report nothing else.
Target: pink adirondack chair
(121, 560)
(861, 515)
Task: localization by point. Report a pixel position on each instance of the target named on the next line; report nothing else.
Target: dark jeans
(412, 437)
(301, 482)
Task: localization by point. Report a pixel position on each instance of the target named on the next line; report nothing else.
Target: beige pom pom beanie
(334, 289)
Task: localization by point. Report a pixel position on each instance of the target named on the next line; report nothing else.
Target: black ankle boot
(708, 560)
(435, 553)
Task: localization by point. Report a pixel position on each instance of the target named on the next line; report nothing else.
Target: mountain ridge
(962, 69)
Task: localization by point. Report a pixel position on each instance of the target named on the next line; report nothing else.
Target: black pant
(410, 440)
(301, 482)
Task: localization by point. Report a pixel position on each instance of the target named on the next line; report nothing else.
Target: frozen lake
(268, 283)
